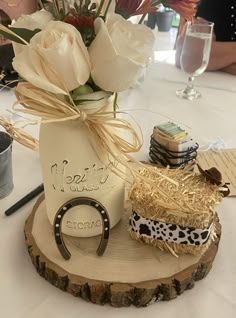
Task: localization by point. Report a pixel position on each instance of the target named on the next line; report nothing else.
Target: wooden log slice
(128, 272)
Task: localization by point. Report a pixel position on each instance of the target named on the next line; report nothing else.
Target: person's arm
(223, 55)
(231, 69)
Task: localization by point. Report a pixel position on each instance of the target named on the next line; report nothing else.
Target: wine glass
(195, 54)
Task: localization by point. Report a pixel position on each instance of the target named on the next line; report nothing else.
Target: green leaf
(11, 37)
(81, 90)
(25, 33)
(115, 105)
(81, 101)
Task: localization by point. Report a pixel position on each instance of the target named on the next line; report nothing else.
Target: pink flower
(128, 8)
(185, 8)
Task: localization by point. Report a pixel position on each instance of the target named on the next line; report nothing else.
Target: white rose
(37, 20)
(56, 60)
(119, 53)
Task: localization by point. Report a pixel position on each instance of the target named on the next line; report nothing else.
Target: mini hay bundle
(177, 217)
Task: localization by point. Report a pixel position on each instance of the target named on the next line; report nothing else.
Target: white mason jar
(72, 168)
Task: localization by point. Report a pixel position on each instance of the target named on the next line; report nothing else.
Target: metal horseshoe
(57, 224)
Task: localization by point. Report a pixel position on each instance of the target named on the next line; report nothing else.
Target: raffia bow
(103, 126)
(105, 129)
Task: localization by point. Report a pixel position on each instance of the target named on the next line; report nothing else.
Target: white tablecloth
(24, 294)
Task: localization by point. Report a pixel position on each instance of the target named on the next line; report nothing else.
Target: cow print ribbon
(168, 232)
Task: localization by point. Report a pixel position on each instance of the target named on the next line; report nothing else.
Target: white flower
(37, 20)
(56, 60)
(119, 53)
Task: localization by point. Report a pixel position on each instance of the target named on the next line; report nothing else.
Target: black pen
(24, 200)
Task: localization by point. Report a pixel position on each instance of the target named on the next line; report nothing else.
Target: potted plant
(164, 19)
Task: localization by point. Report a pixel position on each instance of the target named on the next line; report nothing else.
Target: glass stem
(190, 83)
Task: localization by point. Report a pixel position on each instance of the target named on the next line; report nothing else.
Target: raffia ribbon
(51, 108)
(105, 129)
(101, 123)
(19, 134)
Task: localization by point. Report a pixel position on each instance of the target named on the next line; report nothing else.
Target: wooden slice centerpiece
(129, 273)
